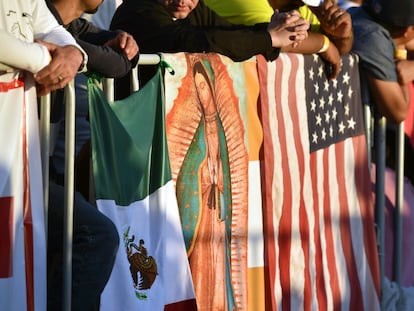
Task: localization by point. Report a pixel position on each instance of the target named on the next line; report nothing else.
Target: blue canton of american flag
(334, 106)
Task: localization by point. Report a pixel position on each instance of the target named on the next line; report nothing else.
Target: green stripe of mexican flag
(134, 188)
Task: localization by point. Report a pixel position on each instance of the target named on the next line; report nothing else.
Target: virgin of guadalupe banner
(22, 231)
(208, 128)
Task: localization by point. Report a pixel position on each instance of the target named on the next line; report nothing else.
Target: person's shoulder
(361, 16)
(365, 25)
(80, 26)
(359, 13)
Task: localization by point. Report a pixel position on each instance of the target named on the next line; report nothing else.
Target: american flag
(320, 244)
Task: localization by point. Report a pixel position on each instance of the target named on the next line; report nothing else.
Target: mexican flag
(134, 188)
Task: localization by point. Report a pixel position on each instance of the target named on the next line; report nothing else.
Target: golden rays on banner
(209, 163)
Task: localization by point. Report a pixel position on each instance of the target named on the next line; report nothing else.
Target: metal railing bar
(380, 132)
(68, 194)
(399, 201)
(44, 133)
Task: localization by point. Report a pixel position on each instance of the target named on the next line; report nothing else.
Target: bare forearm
(310, 45)
(390, 97)
(344, 45)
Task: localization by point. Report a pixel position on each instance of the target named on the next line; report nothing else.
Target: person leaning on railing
(111, 54)
(330, 32)
(380, 26)
(190, 26)
(22, 25)
(95, 237)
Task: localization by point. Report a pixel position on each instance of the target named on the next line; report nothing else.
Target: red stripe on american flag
(303, 217)
(328, 234)
(27, 216)
(320, 278)
(267, 198)
(6, 236)
(355, 288)
(285, 225)
(363, 182)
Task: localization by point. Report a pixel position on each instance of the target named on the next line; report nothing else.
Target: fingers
(126, 43)
(50, 46)
(334, 70)
(61, 70)
(339, 15)
(335, 15)
(300, 30)
(280, 18)
(44, 89)
(122, 40)
(300, 36)
(294, 20)
(291, 17)
(51, 83)
(131, 47)
(301, 25)
(287, 28)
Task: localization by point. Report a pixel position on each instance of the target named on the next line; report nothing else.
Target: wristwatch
(83, 65)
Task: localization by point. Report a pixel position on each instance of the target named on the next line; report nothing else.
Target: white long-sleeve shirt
(22, 21)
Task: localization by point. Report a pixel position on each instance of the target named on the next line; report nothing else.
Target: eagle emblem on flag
(143, 268)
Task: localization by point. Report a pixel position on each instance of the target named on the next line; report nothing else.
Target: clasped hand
(126, 43)
(62, 68)
(287, 28)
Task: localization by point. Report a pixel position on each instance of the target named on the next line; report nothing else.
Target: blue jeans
(95, 244)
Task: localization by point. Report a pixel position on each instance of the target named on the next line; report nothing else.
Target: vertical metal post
(69, 194)
(144, 59)
(380, 127)
(108, 88)
(368, 131)
(399, 199)
(45, 150)
(134, 79)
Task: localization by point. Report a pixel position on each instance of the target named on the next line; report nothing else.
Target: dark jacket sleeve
(202, 31)
(103, 60)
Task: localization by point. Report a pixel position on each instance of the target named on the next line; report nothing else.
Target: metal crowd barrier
(375, 129)
(379, 133)
(45, 141)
